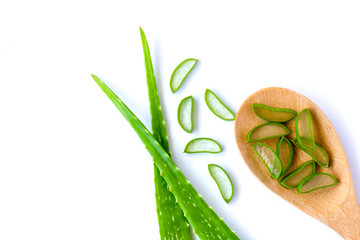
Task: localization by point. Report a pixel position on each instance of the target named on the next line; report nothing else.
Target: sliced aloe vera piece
(170, 216)
(269, 158)
(303, 129)
(319, 154)
(185, 114)
(284, 151)
(267, 130)
(316, 181)
(181, 72)
(273, 114)
(202, 218)
(202, 145)
(222, 180)
(217, 106)
(293, 179)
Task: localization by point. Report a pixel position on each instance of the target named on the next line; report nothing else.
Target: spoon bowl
(335, 206)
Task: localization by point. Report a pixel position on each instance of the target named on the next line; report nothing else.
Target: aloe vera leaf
(267, 130)
(319, 154)
(285, 153)
(269, 158)
(223, 181)
(273, 114)
(316, 181)
(181, 72)
(303, 129)
(293, 179)
(217, 106)
(185, 114)
(202, 145)
(205, 222)
(172, 222)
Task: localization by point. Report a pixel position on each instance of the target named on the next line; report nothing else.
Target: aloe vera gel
(181, 72)
(303, 129)
(269, 158)
(203, 145)
(316, 181)
(293, 179)
(267, 130)
(284, 151)
(222, 180)
(217, 106)
(273, 114)
(185, 114)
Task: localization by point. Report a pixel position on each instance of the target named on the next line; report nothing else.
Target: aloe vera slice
(223, 181)
(303, 129)
(202, 145)
(319, 154)
(273, 114)
(170, 216)
(181, 72)
(267, 130)
(269, 158)
(284, 151)
(316, 181)
(293, 179)
(185, 114)
(205, 222)
(217, 106)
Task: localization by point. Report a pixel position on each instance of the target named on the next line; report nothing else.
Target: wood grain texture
(336, 206)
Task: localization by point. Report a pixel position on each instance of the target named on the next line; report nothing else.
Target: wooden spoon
(335, 206)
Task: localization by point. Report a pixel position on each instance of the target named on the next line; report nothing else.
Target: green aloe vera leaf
(303, 129)
(205, 222)
(284, 151)
(172, 222)
(185, 114)
(269, 158)
(316, 181)
(217, 106)
(181, 72)
(273, 114)
(223, 181)
(202, 145)
(319, 155)
(293, 179)
(267, 130)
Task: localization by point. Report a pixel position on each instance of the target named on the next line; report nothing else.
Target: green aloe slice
(293, 179)
(269, 158)
(181, 72)
(170, 216)
(273, 114)
(202, 145)
(267, 130)
(223, 181)
(185, 114)
(319, 154)
(303, 129)
(284, 151)
(217, 106)
(205, 222)
(316, 181)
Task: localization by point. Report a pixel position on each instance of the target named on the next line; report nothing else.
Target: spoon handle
(346, 220)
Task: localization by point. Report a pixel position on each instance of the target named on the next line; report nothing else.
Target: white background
(70, 165)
